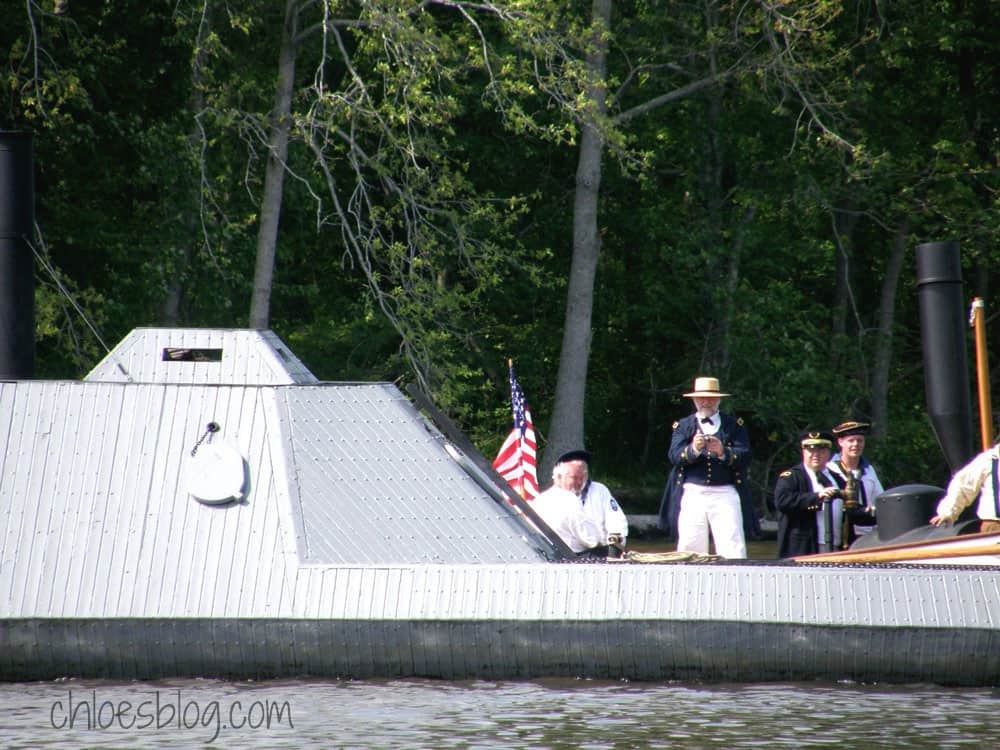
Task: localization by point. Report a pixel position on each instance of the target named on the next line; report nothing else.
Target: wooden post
(966, 545)
(982, 374)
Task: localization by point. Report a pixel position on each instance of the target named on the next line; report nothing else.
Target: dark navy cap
(577, 455)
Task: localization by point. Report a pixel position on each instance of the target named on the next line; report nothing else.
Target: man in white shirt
(561, 511)
(583, 512)
(977, 480)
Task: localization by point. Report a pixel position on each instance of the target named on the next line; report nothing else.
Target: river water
(414, 714)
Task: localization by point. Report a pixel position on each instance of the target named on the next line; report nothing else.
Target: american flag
(516, 460)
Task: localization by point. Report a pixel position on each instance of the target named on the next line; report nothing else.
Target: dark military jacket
(705, 468)
(797, 505)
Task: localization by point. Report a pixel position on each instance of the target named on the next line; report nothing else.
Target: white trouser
(711, 508)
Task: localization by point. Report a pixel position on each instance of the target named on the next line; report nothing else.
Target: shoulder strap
(996, 491)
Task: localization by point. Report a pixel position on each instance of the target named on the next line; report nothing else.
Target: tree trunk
(731, 281)
(274, 176)
(844, 222)
(883, 349)
(173, 303)
(715, 352)
(566, 428)
(713, 249)
(721, 254)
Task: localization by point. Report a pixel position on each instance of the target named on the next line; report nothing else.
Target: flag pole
(982, 374)
(519, 485)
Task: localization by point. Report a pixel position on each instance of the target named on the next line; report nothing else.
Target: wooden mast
(982, 373)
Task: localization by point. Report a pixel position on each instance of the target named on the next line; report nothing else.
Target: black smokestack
(943, 325)
(17, 276)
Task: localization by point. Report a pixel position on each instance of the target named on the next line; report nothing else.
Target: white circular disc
(215, 473)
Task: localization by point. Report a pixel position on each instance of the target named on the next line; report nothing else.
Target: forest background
(618, 196)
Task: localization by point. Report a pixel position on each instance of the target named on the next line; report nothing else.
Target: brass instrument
(849, 495)
(851, 491)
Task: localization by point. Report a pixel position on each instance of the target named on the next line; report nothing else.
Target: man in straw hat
(710, 453)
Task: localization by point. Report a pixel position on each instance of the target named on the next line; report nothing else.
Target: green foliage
(426, 226)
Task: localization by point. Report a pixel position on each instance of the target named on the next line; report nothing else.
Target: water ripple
(555, 714)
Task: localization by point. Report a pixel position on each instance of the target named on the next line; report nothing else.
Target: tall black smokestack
(17, 277)
(943, 325)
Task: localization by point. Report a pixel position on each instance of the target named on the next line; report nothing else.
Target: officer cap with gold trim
(815, 439)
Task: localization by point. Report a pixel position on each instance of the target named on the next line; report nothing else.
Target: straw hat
(706, 387)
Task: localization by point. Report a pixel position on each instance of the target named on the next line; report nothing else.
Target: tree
(376, 118)
(432, 156)
(567, 413)
(695, 55)
(279, 130)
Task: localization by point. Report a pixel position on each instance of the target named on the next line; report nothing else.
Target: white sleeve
(611, 517)
(616, 520)
(561, 511)
(877, 488)
(964, 487)
(583, 532)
